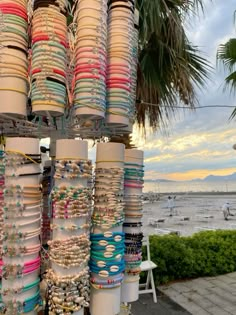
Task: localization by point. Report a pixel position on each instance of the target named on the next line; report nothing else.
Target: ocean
(188, 186)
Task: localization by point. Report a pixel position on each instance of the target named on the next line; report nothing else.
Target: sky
(199, 143)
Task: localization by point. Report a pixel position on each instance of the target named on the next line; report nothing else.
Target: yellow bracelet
(50, 103)
(14, 90)
(8, 66)
(23, 154)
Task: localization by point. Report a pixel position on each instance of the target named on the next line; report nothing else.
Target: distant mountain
(215, 178)
(195, 180)
(209, 178)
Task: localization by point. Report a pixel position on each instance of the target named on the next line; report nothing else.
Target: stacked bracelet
(14, 61)
(132, 224)
(120, 62)
(90, 59)
(22, 226)
(69, 250)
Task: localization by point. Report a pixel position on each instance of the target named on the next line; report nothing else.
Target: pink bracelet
(133, 186)
(27, 268)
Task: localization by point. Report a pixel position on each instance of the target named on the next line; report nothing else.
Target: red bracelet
(14, 6)
(124, 87)
(40, 33)
(88, 69)
(60, 72)
(110, 80)
(14, 12)
(47, 38)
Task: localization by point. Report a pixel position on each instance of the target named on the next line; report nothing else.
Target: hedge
(207, 253)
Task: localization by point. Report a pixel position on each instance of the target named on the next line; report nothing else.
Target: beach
(195, 212)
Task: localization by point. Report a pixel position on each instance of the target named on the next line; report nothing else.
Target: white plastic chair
(148, 266)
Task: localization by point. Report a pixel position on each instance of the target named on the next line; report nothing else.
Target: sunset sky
(199, 143)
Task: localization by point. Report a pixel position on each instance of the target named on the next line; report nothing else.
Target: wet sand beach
(200, 211)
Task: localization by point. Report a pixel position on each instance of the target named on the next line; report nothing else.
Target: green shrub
(207, 253)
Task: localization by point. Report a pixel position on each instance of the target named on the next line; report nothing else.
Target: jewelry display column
(71, 197)
(14, 52)
(132, 224)
(22, 226)
(2, 184)
(120, 52)
(107, 238)
(135, 37)
(90, 59)
(49, 57)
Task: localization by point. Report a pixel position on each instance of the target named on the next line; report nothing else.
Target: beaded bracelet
(20, 158)
(17, 236)
(116, 280)
(18, 307)
(11, 271)
(71, 227)
(10, 251)
(107, 255)
(112, 271)
(109, 236)
(137, 224)
(21, 289)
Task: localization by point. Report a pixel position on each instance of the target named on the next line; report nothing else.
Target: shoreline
(197, 193)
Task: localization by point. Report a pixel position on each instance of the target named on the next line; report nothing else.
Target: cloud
(188, 175)
(199, 143)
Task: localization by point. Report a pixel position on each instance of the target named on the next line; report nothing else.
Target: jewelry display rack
(64, 82)
(2, 183)
(107, 241)
(21, 226)
(71, 199)
(132, 224)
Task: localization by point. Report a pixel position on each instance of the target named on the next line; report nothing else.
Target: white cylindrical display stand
(22, 226)
(107, 239)
(133, 224)
(2, 183)
(71, 209)
(14, 58)
(120, 64)
(130, 289)
(90, 59)
(49, 58)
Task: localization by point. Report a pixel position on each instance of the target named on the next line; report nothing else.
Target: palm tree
(170, 67)
(226, 54)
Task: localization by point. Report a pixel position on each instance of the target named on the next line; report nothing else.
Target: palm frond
(233, 115)
(169, 66)
(226, 54)
(230, 82)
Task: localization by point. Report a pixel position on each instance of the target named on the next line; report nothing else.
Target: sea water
(190, 186)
